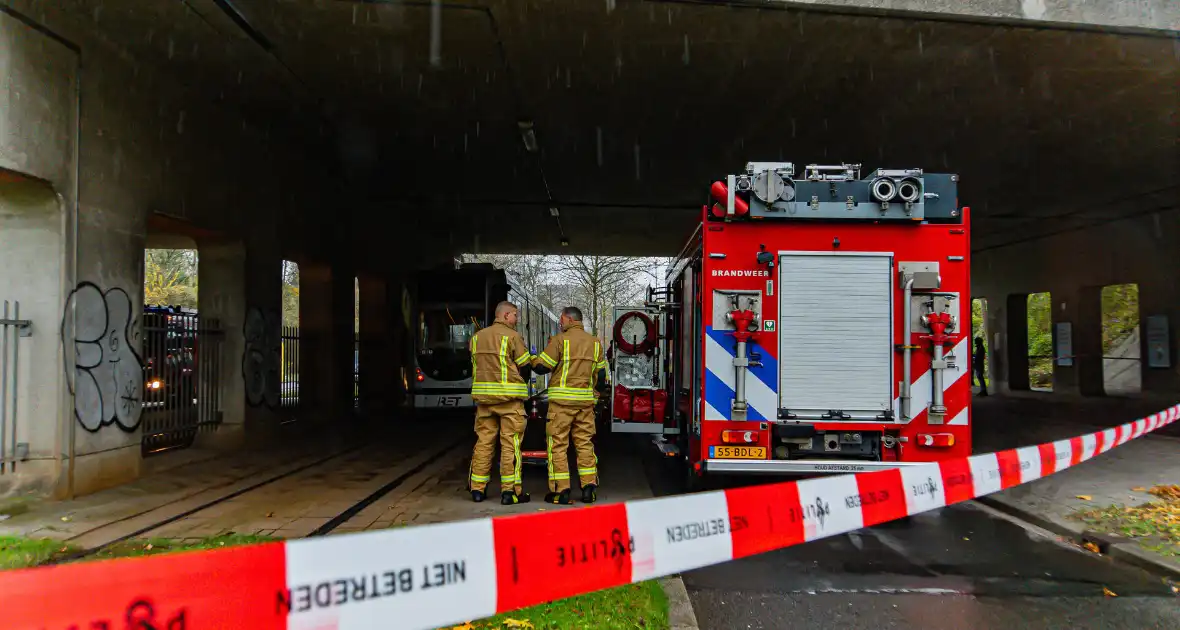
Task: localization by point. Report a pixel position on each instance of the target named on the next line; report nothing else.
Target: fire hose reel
(635, 333)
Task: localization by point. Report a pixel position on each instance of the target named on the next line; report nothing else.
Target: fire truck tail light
(740, 437)
(936, 439)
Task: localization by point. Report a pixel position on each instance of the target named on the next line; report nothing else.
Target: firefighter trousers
(564, 420)
(507, 420)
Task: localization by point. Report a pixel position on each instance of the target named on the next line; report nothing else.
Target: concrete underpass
(363, 140)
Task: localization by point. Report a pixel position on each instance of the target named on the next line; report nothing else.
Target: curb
(680, 613)
(1128, 552)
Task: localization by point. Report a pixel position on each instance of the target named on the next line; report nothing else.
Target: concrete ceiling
(638, 105)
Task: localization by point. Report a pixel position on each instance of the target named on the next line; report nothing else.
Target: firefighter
(578, 365)
(978, 363)
(500, 364)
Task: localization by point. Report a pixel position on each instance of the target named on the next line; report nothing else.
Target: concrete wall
(1128, 14)
(1073, 266)
(149, 143)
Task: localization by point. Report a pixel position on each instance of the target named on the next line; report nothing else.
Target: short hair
(503, 308)
(573, 313)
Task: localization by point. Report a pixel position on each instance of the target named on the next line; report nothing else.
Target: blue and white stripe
(761, 383)
(762, 390)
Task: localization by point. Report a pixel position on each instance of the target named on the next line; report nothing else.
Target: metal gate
(182, 358)
(12, 330)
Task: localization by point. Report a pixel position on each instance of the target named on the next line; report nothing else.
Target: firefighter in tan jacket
(578, 363)
(500, 363)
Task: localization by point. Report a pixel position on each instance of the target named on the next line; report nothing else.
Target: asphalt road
(962, 567)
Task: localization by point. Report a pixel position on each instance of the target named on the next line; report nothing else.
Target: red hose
(720, 192)
(644, 347)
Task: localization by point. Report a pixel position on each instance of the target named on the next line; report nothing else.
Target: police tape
(436, 575)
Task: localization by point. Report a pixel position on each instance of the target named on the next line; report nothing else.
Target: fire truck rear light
(936, 439)
(740, 437)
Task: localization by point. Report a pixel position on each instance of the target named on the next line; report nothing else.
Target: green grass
(628, 607)
(17, 552)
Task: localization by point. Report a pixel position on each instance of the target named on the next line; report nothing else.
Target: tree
(1040, 340)
(170, 277)
(599, 283)
(1120, 317)
(290, 294)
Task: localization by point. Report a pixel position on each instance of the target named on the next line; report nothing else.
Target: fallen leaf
(966, 538)
(65, 519)
(1138, 489)
(1108, 592)
(1085, 497)
(517, 623)
(269, 514)
(1092, 547)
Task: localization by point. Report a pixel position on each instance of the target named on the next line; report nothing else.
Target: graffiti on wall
(104, 371)
(262, 357)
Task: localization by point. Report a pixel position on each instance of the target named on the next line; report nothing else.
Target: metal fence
(182, 355)
(289, 373)
(12, 330)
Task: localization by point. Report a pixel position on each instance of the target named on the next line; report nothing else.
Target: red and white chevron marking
(431, 576)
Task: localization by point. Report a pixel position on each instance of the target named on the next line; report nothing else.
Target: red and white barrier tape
(432, 576)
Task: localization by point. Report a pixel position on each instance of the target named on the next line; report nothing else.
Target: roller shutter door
(835, 331)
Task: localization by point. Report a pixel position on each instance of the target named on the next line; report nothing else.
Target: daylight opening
(1040, 341)
(1121, 371)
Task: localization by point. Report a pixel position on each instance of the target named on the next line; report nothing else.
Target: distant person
(978, 363)
(499, 392)
(576, 360)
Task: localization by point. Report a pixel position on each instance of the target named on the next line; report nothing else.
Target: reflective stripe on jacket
(497, 354)
(575, 357)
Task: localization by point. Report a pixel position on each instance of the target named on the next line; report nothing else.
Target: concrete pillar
(1087, 340)
(401, 331)
(997, 343)
(1016, 335)
(241, 289)
(222, 303)
(31, 246)
(344, 351)
(1065, 309)
(379, 368)
(1160, 295)
(326, 331)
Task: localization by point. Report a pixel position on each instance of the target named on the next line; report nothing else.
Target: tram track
(335, 522)
(356, 508)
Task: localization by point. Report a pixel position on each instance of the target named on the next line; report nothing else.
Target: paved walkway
(293, 490)
(189, 483)
(1118, 477)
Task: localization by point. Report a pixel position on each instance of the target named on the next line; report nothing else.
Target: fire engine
(812, 324)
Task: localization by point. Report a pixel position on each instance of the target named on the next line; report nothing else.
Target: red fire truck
(811, 325)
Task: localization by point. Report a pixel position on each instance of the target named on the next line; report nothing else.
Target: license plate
(737, 452)
(449, 401)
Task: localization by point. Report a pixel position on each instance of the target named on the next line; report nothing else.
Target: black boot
(559, 498)
(478, 496)
(589, 493)
(511, 498)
